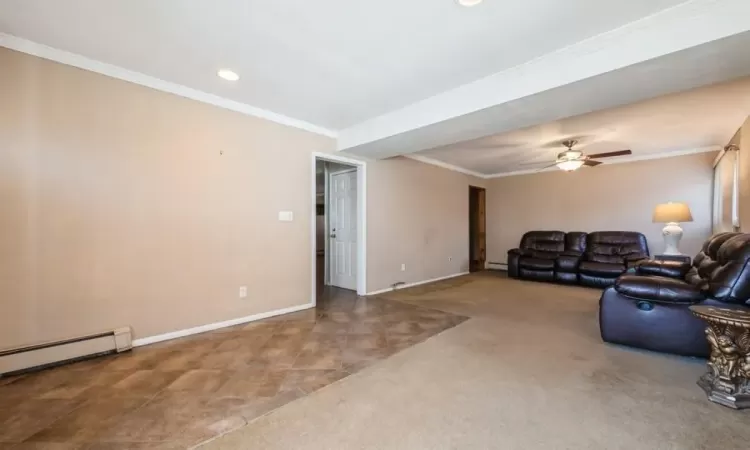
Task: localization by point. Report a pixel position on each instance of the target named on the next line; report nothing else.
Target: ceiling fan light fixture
(228, 75)
(468, 3)
(570, 165)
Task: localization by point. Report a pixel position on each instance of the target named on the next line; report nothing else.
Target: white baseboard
(215, 326)
(496, 266)
(408, 285)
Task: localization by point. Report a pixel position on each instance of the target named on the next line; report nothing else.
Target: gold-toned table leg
(727, 381)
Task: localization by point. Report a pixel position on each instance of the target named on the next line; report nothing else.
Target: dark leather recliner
(648, 308)
(609, 254)
(535, 258)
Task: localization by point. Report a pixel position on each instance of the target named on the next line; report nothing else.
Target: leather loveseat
(648, 307)
(594, 259)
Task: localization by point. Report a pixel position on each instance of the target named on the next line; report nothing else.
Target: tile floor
(177, 394)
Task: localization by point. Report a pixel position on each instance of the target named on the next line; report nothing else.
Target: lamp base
(672, 233)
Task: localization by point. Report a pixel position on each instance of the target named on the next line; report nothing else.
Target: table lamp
(671, 214)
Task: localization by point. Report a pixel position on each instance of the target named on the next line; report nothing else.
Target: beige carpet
(528, 371)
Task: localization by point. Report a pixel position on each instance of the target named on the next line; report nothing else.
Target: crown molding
(72, 59)
(445, 165)
(620, 160)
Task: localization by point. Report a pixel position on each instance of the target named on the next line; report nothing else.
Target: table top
(681, 258)
(737, 316)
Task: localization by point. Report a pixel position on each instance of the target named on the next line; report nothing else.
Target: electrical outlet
(403, 267)
(243, 291)
(286, 216)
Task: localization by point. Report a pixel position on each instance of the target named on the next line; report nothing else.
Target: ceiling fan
(571, 160)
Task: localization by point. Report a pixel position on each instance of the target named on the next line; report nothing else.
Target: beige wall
(609, 197)
(116, 207)
(742, 139)
(418, 215)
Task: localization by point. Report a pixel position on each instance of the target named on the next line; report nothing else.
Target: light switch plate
(286, 216)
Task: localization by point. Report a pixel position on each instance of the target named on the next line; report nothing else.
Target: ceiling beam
(664, 53)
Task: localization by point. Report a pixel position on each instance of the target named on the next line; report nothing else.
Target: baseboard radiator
(496, 265)
(19, 360)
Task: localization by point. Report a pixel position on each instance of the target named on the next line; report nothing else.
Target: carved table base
(728, 379)
(737, 397)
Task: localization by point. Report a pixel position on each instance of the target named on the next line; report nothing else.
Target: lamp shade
(672, 212)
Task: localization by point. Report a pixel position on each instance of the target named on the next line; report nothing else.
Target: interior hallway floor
(177, 394)
(528, 370)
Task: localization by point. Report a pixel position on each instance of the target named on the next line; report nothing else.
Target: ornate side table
(727, 381)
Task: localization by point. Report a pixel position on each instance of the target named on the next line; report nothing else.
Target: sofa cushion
(575, 241)
(544, 241)
(601, 269)
(615, 247)
(672, 269)
(730, 281)
(596, 281)
(657, 288)
(567, 263)
(536, 263)
(540, 254)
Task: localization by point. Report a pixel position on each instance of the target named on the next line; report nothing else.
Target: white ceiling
(700, 119)
(332, 63)
(693, 44)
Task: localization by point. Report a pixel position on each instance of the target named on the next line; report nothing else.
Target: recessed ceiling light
(228, 75)
(468, 3)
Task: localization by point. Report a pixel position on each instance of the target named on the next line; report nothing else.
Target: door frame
(361, 167)
(474, 215)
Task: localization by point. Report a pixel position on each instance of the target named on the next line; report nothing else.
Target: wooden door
(477, 229)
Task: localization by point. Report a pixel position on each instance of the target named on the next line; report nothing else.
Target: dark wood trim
(477, 228)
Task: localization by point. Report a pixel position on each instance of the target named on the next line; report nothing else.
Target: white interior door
(342, 223)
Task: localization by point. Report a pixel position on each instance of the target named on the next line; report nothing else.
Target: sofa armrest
(658, 289)
(634, 260)
(514, 255)
(672, 269)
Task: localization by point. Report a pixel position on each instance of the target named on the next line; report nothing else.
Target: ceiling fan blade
(591, 163)
(547, 167)
(610, 154)
(535, 163)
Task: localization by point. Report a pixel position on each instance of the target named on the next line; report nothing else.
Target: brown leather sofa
(648, 307)
(593, 259)
(608, 255)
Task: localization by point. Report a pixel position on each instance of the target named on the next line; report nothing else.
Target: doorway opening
(339, 228)
(477, 229)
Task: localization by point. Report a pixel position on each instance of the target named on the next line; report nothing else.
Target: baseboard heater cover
(19, 360)
(496, 265)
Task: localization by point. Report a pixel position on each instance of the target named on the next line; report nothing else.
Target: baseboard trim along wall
(218, 325)
(417, 283)
(496, 265)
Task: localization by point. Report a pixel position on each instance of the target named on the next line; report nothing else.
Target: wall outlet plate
(243, 292)
(403, 267)
(286, 216)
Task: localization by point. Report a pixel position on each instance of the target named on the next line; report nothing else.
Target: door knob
(333, 235)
